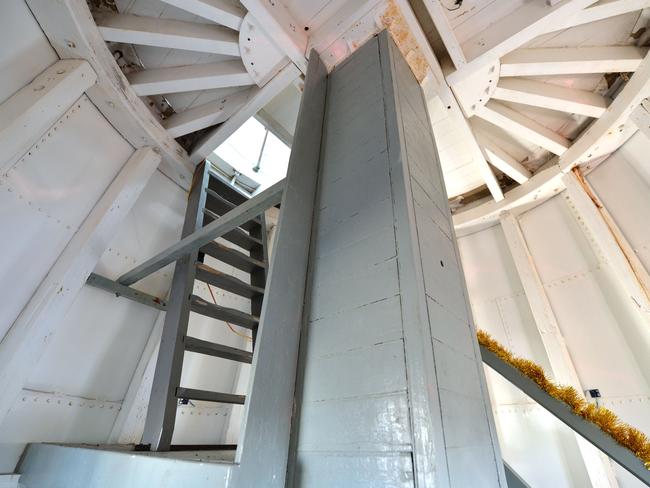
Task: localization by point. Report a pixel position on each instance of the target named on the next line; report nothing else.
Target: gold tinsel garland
(626, 435)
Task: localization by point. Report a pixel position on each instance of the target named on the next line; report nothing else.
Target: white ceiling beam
(257, 99)
(603, 11)
(190, 78)
(554, 97)
(446, 32)
(572, 60)
(224, 12)
(27, 114)
(26, 341)
(513, 31)
(280, 26)
(611, 130)
(205, 115)
(490, 180)
(505, 162)
(72, 32)
(520, 125)
(640, 116)
(172, 34)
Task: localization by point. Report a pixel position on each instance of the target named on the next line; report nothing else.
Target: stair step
(237, 236)
(199, 305)
(219, 205)
(209, 396)
(192, 344)
(226, 282)
(232, 257)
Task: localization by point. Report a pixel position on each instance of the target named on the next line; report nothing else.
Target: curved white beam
(190, 78)
(554, 97)
(224, 12)
(173, 34)
(69, 26)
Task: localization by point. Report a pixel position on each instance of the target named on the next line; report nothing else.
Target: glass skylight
(256, 153)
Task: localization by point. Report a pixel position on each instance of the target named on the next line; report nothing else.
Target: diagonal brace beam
(229, 221)
(623, 456)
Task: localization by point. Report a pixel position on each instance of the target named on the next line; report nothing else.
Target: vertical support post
(598, 467)
(161, 415)
(264, 448)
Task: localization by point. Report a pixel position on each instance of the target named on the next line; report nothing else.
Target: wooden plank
(225, 314)
(572, 60)
(206, 115)
(171, 34)
(554, 97)
(26, 340)
(223, 12)
(199, 346)
(190, 78)
(446, 32)
(504, 161)
(520, 125)
(280, 26)
(33, 109)
(71, 30)
(267, 416)
(210, 396)
(257, 99)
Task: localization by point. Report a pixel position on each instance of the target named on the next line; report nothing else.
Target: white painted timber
(609, 132)
(32, 110)
(504, 161)
(513, 31)
(278, 23)
(27, 339)
(257, 99)
(624, 263)
(554, 97)
(435, 81)
(70, 28)
(190, 78)
(520, 125)
(224, 12)
(205, 115)
(562, 367)
(129, 423)
(172, 34)
(446, 31)
(641, 117)
(572, 60)
(602, 11)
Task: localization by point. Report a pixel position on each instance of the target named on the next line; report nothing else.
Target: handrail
(227, 222)
(591, 432)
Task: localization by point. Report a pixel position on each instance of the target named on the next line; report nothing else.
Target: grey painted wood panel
(379, 470)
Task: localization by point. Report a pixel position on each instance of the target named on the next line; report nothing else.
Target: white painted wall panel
(48, 193)
(26, 51)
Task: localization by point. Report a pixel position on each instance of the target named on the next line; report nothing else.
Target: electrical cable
(248, 338)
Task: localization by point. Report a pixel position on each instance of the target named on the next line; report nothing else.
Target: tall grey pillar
(391, 391)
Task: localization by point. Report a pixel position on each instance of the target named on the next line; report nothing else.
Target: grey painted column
(390, 390)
